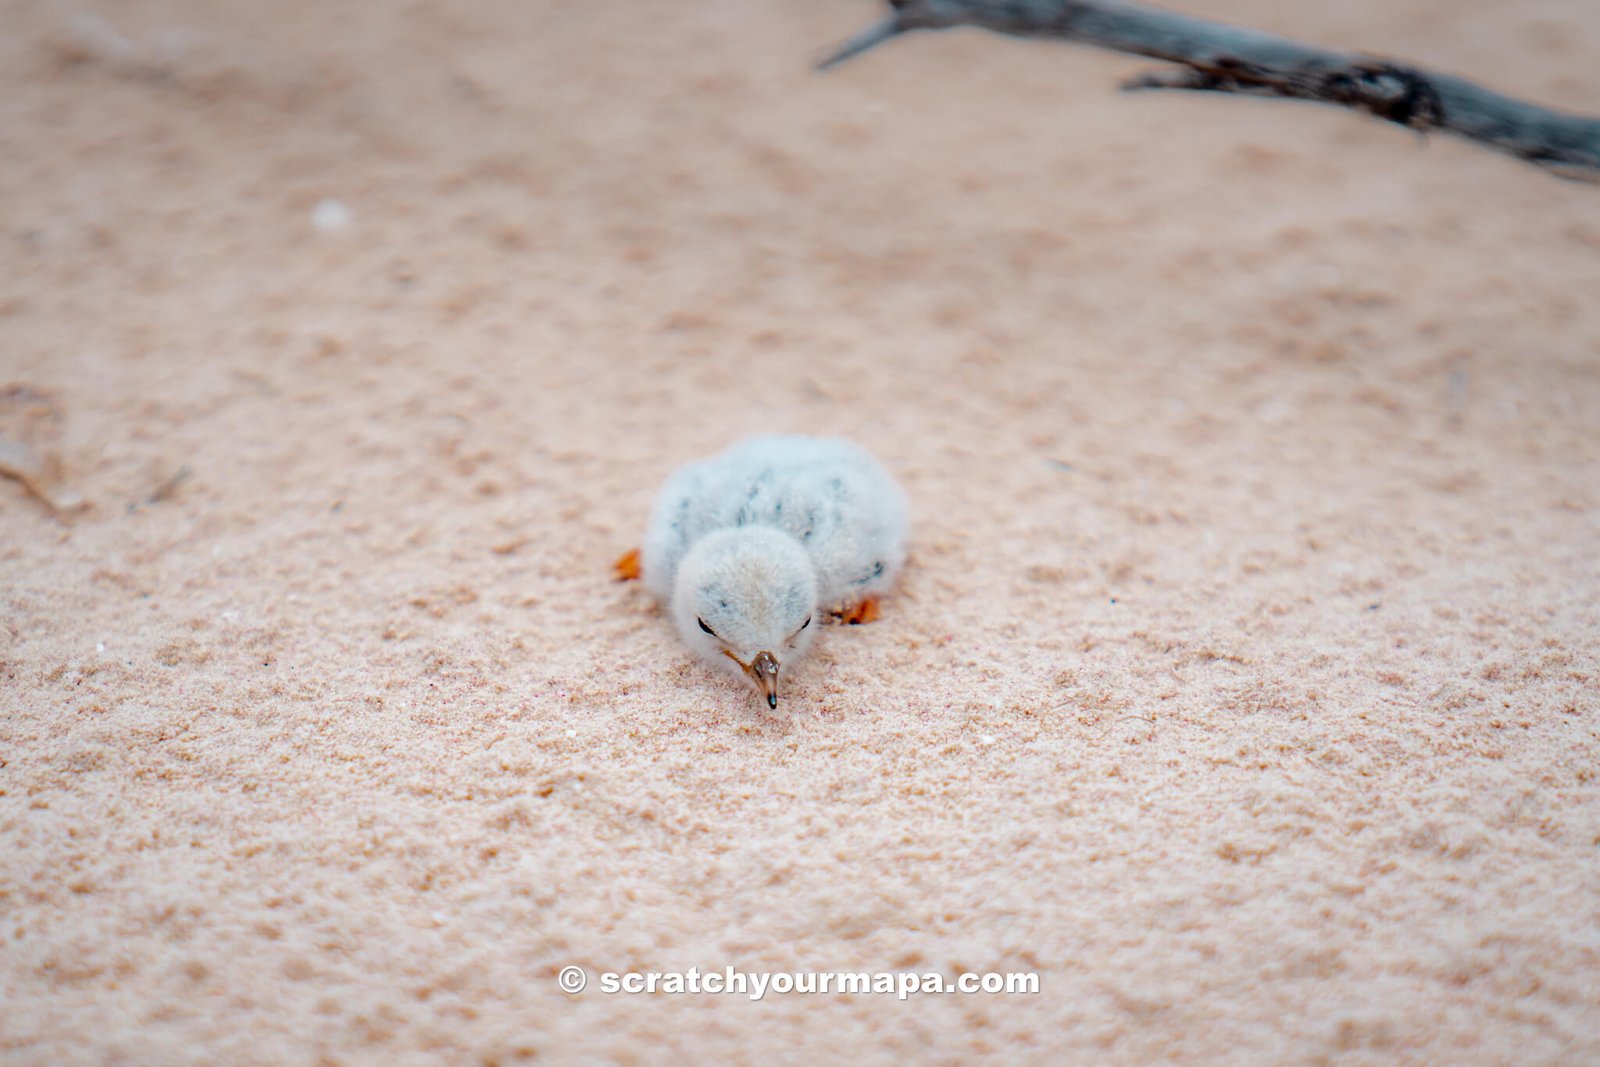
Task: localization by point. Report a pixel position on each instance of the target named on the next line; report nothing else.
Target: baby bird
(747, 547)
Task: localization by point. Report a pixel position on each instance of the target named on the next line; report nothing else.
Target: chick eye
(805, 624)
(709, 630)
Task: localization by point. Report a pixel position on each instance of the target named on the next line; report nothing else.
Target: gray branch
(1215, 57)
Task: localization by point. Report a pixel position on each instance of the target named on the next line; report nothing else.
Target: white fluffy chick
(746, 548)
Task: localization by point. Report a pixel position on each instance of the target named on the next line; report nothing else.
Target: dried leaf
(30, 432)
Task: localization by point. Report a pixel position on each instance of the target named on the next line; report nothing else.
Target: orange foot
(860, 614)
(627, 568)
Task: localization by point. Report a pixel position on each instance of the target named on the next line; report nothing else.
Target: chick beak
(764, 672)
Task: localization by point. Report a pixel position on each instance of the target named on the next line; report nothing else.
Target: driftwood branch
(1215, 57)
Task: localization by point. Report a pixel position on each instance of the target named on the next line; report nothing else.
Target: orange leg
(862, 613)
(627, 568)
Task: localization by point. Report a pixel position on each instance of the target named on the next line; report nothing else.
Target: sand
(1241, 686)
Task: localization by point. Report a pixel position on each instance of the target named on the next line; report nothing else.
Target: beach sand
(1241, 685)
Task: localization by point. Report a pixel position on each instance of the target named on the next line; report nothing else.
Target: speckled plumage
(752, 543)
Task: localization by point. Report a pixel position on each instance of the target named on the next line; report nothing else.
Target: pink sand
(1241, 686)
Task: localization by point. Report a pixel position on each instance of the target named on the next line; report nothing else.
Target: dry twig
(165, 490)
(1215, 57)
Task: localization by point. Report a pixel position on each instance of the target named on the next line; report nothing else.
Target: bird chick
(747, 548)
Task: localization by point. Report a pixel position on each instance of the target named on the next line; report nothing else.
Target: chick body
(747, 546)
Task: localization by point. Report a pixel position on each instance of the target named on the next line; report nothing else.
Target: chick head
(745, 599)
